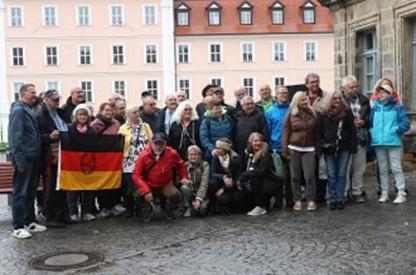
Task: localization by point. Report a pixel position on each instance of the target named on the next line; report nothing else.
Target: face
(384, 95)
(77, 95)
(256, 143)
(336, 100)
(180, 96)
(29, 96)
(158, 147)
(303, 104)
(239, 94)
(194, 156)
(171, 103)
(150, 106)
(108, 111)
(282, 95)
(120, 110)
(265, 92)
(134, 117)
(210, 92)
(52, 103)
(187, 112)
(82, 117)
(351, 88)
(313, 84)
(221, 152)
(219, 96)
(216, 111)
(248, 107)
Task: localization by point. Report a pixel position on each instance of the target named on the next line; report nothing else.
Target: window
(310, 51)
(246, 14)
(217, 82)
(51, 53)
(18, 56)
(118, 55)
(50, 16)
(87, 87)
(85, 55)
(83, 16)
(53, 85)
(247, 52)
(185, 85)
(215, 54)
(279, 81)
(279, 51)
(149, 15)
(182, 15)
(369, 60)
(151, 54)
(152, 87)
(16, 89)
(248, 84)
(277, 13)
(214, 14)
(309, 13)
(183, 53)
(16, 17)
(119, 87)
(116, 15)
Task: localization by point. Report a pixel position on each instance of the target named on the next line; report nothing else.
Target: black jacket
(365, 115)
(218, 172)
(155, 121)
(67, 109)
(180, 139)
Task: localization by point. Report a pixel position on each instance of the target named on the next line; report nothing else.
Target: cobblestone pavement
(362, 239)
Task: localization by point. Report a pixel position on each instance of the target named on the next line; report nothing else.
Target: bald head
(77, 95)
(149, 105)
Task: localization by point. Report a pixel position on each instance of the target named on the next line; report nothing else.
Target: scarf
(336, 113)
(107, 121)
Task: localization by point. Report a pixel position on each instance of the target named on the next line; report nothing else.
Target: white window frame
(124, 54)
(144, 15)
(17, 92)
(158, 86)
(110, 13)
(221, 52)
(58, 63)
(253, 51)
(189, 88)
(309, 7)
(182, 9)
(278, 7)
(125, 87)
(12, 57)
(57, 81)
(220, 78)
(79, 55)
(214, 8)
(145, 53)
(284, 51)
(279, 76)
(44, 16)
(305, 51)
(244, 10)
(369, 53)
(92, 90)
(254, 85)
(77, 18)
(11, 17)
(178, 53)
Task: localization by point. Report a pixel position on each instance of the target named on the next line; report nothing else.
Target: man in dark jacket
(120, 111)
(151, 115)
(77, 97)
(51, 123)
(249, 120)
(25, 148)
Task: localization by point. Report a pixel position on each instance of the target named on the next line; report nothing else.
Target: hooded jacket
(275, 119)
(67, 110)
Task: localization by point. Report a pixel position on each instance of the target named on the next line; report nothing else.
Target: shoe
(340, 205)
(104, 214)
(297, 206)
(332, 205)
(147, 212)
(34, 227)
(359, 198)
(383, 198)
(311, 206)
(169, 214)
(21, 233)
(74, 218)
(188, 213)
(89, 217)
(400, 199)
(257, 211)
(55, 224)
(118, 209)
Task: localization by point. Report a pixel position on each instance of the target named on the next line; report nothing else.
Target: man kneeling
(154, 173)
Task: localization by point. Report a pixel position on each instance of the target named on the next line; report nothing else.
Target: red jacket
(160, 173)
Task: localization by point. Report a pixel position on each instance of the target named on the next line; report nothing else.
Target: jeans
(24, 190)
(355, 171)
(303, 161)
(390, 155)
(336, 167)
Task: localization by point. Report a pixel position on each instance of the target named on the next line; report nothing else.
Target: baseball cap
(52, 94)
(160, 136)
(387, 88)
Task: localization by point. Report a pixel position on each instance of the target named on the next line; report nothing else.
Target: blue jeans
(337, 170)
(24, 191)
(390, 155)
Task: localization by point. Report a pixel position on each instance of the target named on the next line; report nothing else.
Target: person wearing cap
(51, 123)
(153, 176)
(375, 95)
(208, 90)
(77, 97)
(389, 122)
(219, 95)
(137, 135)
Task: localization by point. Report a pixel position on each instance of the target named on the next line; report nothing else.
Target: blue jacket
(24, 135)
(388, 123)
(275, 119)
(212, 129)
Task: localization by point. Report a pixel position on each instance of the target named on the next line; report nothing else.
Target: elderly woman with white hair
(136, 136)
(184, 130)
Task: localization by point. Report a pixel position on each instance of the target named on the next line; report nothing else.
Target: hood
(392, 101)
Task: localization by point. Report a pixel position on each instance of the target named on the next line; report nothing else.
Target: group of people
(211, 158)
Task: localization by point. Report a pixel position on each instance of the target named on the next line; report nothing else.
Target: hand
(54, 134)
(359, 123)
(196, 204)
(219, 192)
(214, 152)
(239, 186)
(148, 197)
(186, 182)
(228, 182)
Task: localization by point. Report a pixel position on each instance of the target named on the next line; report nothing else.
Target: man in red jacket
(154, 173)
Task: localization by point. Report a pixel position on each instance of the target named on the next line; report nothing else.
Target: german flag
(90, 162)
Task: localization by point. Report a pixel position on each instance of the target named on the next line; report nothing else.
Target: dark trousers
(108, 198)
(55, 205)
(127, 191)
(232, 200)
(86, 198)
(261, 199)
(24, 191)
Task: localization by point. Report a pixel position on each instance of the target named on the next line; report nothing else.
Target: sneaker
(104, 214)
(257, 211)
(297, 206)
(383, 198)
(187, 213)
(169, 214)
(118, 209)
(88, 217)
(400, 199)
(21, 233)
(74, 218)
(147, 212)
(34, 227)
(359, 198)
(311, 206)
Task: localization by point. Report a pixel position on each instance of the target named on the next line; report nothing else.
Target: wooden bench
(6, 178)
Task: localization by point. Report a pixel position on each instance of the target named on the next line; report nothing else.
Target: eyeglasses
(187, 109)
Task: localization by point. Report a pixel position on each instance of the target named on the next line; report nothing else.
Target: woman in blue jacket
(389, 122)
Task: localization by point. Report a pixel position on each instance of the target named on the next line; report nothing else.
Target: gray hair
(177, 115)
(246, 98)
(347, 80)
(309, 75)
(194, 148)
(167, 96)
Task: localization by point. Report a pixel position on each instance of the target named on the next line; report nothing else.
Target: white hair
(169, 95)
(177, 115)
(347, 80)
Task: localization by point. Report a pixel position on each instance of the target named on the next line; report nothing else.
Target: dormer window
(214, 14)
(277, 13)
(246, 13)
(308, 13)
(182, 15)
